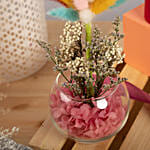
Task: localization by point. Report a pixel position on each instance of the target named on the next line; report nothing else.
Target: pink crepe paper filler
(81, 4)
(80, 120)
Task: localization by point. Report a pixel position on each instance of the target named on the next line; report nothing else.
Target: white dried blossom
(68, 43)
(8, 132)
(86, 15)
(79, 66)
(6, 143)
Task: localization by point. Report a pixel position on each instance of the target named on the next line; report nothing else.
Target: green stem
(88, 29)
(44, 45)
(59, 70)
(64, 76)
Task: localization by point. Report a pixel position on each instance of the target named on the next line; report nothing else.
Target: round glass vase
(85, 123)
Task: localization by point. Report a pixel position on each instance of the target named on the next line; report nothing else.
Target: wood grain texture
(27, 100)
(49, 138)
(138, 137)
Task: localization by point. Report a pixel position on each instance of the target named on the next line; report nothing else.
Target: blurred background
(105, 16)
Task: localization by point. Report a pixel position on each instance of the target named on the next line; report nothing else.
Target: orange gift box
(137, 39)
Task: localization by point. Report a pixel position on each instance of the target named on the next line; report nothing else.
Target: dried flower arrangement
(89, 64)
(88, 104)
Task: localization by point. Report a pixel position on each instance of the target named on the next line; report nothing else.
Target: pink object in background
(147, 10)
(81, 4)
(137, 94)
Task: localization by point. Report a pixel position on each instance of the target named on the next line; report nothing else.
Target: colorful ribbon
(137, 94)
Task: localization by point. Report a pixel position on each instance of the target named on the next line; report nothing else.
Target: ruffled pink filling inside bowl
(82, 121)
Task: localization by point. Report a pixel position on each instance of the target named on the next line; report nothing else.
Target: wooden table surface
(27, 100)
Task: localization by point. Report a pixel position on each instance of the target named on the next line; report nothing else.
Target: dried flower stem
(59, 70)
(47, 48)
(88, 30)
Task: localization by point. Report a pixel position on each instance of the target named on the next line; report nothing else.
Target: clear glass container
(83, 123)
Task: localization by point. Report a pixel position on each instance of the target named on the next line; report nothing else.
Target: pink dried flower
(80, 4)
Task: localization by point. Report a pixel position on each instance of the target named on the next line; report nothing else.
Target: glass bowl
(85, 123)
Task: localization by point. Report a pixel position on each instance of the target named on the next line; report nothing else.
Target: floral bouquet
(88, 101)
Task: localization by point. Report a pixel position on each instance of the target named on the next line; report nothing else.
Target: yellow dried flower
(99, 6)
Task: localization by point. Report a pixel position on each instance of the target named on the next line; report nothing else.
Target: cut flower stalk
(90, 88)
